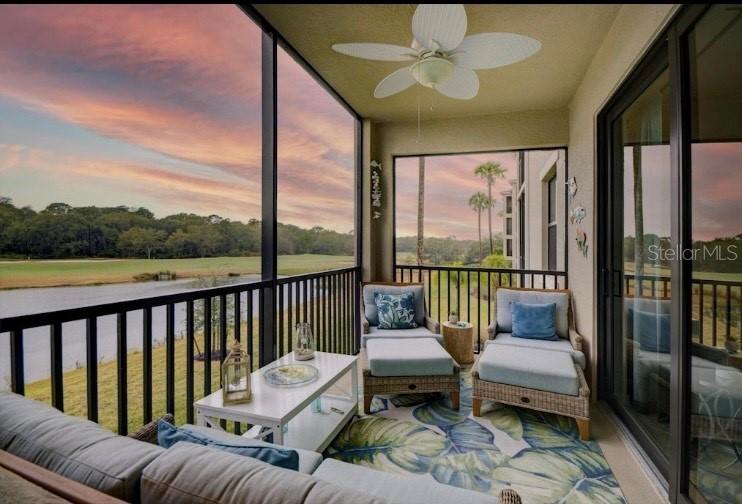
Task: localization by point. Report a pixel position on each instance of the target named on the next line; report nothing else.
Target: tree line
(61, 231)
(449, 250)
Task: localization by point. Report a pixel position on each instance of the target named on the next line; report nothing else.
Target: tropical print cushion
(396, 311)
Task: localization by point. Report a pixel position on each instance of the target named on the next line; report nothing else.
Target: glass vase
(304, 343)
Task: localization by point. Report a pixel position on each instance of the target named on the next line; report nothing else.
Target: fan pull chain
(418, 140)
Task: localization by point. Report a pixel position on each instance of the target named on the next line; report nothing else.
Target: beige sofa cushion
(188, 474)
(72, 447)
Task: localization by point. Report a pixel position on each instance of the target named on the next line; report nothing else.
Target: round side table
(458, 341)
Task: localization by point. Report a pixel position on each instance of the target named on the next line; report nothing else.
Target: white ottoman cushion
(534, 368)
(408, 357)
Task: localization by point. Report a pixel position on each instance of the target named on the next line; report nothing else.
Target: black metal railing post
(147, 364)
(207, 345)
(55, 332)
(17, 373)
(91, 371)
(121, 358)
(190, 335)
(170, 358)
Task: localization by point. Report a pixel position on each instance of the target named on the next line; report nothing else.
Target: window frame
(551, 223)
(271, 40)
(516, 199)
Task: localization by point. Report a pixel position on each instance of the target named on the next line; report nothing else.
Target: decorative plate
(291, 375)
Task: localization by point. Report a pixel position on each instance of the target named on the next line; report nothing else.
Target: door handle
(617, 283)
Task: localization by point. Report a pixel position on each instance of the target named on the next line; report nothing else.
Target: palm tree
(420, 209)
(490, 171)
(478, 202)
(638, 215)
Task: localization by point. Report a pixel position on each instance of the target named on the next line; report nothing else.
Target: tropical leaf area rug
(539, 455)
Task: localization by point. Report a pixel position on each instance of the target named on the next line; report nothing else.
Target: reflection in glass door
(663, 187)
(641, 296)
(715, 450)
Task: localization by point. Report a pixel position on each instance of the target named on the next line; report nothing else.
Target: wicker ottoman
(409, 366)
(575, 404)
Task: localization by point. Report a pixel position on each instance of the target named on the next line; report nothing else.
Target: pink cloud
(716, 182)
(182, 81)
(449, 182)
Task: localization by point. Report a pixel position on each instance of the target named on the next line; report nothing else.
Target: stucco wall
(633, 31)
(475, 134)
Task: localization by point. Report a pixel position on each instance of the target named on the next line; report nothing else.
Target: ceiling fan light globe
(432, 71)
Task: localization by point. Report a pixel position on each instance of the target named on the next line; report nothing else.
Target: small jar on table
(458, 341)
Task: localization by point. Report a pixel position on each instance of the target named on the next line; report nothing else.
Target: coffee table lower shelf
(307, 428)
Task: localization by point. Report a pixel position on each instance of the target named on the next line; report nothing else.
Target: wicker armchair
(576, 406)
(405, 383)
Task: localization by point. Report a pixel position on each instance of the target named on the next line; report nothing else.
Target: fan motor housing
(432, 71)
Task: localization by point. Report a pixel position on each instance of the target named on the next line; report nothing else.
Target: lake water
(36, 342)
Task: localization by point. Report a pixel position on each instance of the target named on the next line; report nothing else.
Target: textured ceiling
(570, 35)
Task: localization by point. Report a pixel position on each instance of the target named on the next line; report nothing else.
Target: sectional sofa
(139, 472)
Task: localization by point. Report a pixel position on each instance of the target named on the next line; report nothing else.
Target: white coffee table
(278, 407)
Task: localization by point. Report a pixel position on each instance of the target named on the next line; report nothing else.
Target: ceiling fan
(444, 59)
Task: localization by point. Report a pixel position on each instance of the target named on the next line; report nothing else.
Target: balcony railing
(470, 290)
(716, 304)
(329, 301)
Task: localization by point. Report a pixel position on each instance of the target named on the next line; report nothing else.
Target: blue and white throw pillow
(396, 311)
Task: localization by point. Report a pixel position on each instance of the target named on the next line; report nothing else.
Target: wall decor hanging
(581, 239)
(376, 192)
(577, 214)
(572, 188)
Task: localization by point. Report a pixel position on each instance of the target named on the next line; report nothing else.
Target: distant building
(507, 222)
(533, 212)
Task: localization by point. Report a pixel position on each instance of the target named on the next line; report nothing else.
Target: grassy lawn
(51, 273)
(75, 389)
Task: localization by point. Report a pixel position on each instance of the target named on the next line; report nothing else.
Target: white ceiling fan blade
(397, 81)
(492, 50)
(462, 85)
(442, 24)
(379, 52)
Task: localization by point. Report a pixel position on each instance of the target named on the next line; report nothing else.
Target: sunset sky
(449, 183)
(716, 180)
(159, 106)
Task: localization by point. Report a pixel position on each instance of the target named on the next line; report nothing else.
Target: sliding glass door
(670, 248)
(715, 77)
(641, 300)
